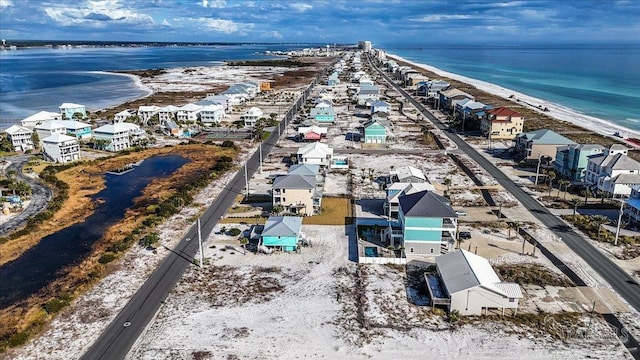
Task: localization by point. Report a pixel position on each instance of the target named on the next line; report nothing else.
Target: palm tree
(601, 194)
(586, 192)
(600, 220)
(564, 183)
(551, 175)
(243, 242)
(574, 202)
(447, 182)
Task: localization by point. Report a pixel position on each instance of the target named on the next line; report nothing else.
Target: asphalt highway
(621, 282)
(116, 341)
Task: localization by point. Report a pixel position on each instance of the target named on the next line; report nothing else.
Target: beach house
(118, 136)
(323, 112)
(77, 129)
(212, 114)
(501, 123)
(448, 96)
(315, 153)
(282, 232)
(171, 128)
(431, 88)
(251, 116)
(466, 283)
(166, 113)
(407, 174)
(377, 131)
(572, 160)
(61, 148)
(427, 225)
(297, 194)
(73, 111)
(395, 190)
(613, 171)
(123, 115)
(20, 137)
(311, 133)
(632, 206)
(534, 145)
(380, 106)
(333, 79)
(145, 113)
(49, 128)
(367, 94)
(38, 118)
(189, 113)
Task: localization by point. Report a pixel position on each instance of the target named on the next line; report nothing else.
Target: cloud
(441, 17)
(5, 3)
(96, 13)
(216, 4)
(218, 25)
(273, 35)
(300, 7)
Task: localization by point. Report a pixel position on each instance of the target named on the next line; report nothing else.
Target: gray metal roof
(304, 169)
(282, 226)
(426, 204)
(294, 181)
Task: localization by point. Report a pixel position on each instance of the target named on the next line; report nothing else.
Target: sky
(384, 22)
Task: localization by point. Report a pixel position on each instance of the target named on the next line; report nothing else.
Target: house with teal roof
(377, 132)
(427, 224)
(282, 232)
(333, 79)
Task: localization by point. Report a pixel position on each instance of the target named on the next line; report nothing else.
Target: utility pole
(200, 245)
(246, 179)
(260, 151)
(619, 222)
(538, 168)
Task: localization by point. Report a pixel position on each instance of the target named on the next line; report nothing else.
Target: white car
(461, 213)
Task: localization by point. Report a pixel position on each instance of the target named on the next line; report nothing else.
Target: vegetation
(592, 226)
(274, 63)
(533, 274)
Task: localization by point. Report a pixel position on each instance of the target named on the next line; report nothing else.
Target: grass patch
(335, 211)
(533, 274)
(588, 225)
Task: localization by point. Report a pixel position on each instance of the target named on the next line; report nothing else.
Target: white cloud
(273, 34)
(166, 23)
(97, 13)
(301, 7)
(441, 17)
(5, 3)
(216, 4)
(218, 25)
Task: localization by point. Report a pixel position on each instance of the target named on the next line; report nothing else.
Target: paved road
(40, 195)
(622, 282)
(116, 341)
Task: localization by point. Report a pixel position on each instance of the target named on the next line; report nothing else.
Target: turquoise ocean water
(597, 80)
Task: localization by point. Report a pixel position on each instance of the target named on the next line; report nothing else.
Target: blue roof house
(428, 224)
(282, 232)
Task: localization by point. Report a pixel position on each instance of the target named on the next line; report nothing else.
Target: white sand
(556, 111)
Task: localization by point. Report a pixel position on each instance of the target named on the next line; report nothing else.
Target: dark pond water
(41, 264)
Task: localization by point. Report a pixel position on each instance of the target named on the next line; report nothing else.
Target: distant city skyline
(383, 22)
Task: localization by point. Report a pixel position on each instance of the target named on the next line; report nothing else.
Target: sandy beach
(555, 111)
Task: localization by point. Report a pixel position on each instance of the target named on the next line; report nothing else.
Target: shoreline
(137, 82)
(556, 111)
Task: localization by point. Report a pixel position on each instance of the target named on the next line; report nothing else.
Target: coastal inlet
(54, 254)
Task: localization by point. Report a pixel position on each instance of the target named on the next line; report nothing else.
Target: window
(284, 200)
(283, 190)
(431, 251)
(512, 300)
(410, 249)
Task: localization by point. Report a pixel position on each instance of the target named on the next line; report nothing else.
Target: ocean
(597, 80)
(37, 79)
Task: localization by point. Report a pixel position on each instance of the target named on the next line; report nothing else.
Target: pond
(54, 254)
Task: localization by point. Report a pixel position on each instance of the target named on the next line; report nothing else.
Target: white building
(38, 118)
(61, 148)
(123, 115)
(20, 137)
(167, 113)
(145, 112)
(118, 136)
(613, 171)
(315, 153)
(49, 128)
(467, 283)
(189, 113)
(212, 114)
(251, 116)
(69, 110)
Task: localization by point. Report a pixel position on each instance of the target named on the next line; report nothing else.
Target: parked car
(461, 213)
(465, 235)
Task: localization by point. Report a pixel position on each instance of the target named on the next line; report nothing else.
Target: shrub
(235, 232)
(107, 258)
(18, 339)
(228, 144)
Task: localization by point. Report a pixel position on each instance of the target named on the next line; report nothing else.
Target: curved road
(116, 341)
(40, 195)
(622, 282)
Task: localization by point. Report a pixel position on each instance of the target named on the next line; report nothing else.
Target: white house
(167, 113)
(467, 283)
(123, 115)
(61, 148)
(118, 136)
(49, 128)
(380, 106)
(613, 171)
(189, 113)
(20, 137)
(68, 110)
(315, 153)
(407, 174)
(251, 116)
(632, 206)
(212, 114)
(367, 94)
(145, 112)
(38, 118)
